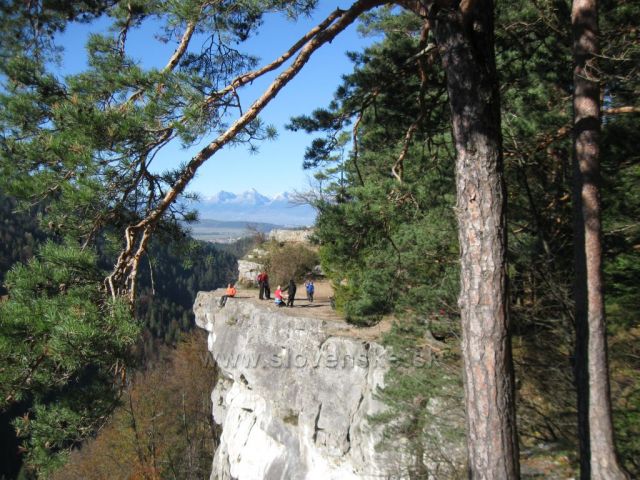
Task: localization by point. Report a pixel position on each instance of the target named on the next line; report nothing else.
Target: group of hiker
(265, 291)
(291, 288)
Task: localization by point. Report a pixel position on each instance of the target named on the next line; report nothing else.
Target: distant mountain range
(252, 206)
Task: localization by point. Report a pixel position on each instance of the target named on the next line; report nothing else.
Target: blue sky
(277, 167)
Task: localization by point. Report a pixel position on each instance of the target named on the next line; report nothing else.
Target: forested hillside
(174, 273)
(163, 426)
(172, 278)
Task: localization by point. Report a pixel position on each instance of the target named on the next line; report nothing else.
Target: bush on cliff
(290, 260)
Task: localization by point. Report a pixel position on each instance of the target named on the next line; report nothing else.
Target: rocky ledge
(294, 395)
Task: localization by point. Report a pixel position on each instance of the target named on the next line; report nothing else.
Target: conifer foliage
(411, 209)
(62, 346)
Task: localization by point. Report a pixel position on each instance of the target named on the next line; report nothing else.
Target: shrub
(287, 261)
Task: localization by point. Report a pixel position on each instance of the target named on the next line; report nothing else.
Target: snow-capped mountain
(250, 197)
(252, 206)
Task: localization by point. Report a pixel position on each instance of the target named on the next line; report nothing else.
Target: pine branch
(171, 64)
(249, 77)
(122, 279)
(566, 129)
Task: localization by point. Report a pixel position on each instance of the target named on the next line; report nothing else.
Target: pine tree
(63, 347)
(76, 150)
(597, 449)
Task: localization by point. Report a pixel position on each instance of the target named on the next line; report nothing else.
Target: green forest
(174, 273)
(477, 180)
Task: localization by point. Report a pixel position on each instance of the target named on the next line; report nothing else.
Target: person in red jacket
(231, 292)
(263, 284)
(267, 291)
(279, 299)
(260, 279)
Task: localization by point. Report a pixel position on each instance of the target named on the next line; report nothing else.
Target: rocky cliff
(248, 271)
(294, 394)
(291, 236)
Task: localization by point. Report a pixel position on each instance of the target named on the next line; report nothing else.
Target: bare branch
(565, 130)
(182, 47)
(398, 167)
(421, 58)
(620, 110)
(122, 37)
(251, 76)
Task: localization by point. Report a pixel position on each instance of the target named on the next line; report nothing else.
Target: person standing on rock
(291, 288)
(308, 285)
(265, 281)
(260, 279)
(263, 285)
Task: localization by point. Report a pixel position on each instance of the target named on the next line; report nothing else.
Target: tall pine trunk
(597, 453)
(466, 43)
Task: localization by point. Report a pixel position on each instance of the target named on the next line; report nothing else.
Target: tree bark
(597, 452)
(465, 38)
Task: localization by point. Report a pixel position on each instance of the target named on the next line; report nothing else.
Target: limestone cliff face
(294, 395)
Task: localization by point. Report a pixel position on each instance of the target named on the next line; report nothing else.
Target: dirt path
(320, 308)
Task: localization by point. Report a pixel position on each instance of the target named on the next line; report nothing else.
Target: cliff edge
(294, 394)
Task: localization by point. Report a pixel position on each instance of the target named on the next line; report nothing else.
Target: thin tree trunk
(466, 43)
(597, 453)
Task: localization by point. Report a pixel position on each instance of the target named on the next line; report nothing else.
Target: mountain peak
(252, 206)
(221, 197)
(283, 196)
(253, 197)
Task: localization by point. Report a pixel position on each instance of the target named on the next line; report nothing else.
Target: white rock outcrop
(248, 271)
(294, 395)
(291, 236)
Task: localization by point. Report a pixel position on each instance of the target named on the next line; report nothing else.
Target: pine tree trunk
(597, 453)
(466, 45)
